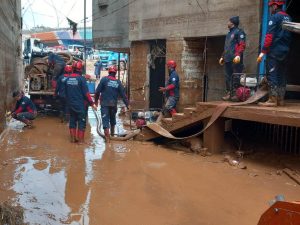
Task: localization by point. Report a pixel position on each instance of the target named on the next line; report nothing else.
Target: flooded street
(57, 182)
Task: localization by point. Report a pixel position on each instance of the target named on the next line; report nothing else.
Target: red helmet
(77, 66)
(276, 2)
(171, 63)
(68, 69)
(112, 69)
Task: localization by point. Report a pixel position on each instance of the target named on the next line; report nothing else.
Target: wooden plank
(213, 137)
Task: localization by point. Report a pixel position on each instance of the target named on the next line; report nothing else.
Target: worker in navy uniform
(232, 57)
(108, 91)
(57, 63)
(98, 68)
(276, 47)
(77, 93)
(25, 110)
(172, 89)
(60, 92)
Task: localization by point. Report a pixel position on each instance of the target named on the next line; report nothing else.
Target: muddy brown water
(122, 183)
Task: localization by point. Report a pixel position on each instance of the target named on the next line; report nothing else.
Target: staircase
(181, 121)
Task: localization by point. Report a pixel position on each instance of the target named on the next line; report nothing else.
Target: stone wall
(10, 54)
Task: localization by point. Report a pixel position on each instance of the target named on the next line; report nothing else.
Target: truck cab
(76, 50)
(33, 47)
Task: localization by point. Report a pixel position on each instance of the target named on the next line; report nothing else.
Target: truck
(33, 47)
(42, 83)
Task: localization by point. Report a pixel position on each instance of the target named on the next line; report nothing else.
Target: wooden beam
(213, 137)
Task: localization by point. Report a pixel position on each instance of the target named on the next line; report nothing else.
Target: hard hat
(77, 66)
(276, 2)
(171, 63)
(68, 69)
(243, 93)
(112, 69)
(141, 115)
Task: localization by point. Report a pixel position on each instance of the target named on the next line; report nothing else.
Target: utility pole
(84, 55)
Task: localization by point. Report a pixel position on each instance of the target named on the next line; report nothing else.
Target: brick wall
(10, 54)
(188, 54)
(139, 87)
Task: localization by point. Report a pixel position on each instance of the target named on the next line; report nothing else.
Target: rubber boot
(112, 130)
(107, 137)
(80, 137)
(28, 123)
(173, 112)
(226, 97)
(72, 135)
(272, 102)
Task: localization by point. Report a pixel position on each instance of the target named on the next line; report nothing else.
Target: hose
(127, 137)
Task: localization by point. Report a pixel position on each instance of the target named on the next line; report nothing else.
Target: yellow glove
(221, 61)
(260, 57)
(237, 60)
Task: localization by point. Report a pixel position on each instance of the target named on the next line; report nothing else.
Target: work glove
(221, 61)
(260, 57)
(162, 89)
(237, 60)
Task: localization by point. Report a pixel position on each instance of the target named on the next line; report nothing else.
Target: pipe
(125, 138)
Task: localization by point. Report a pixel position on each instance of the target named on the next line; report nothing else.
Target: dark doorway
(157, 69)
(215, 86)
(293, 61)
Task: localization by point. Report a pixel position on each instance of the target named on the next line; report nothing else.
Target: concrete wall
(165, 19)
(110, 25)
(10, 54)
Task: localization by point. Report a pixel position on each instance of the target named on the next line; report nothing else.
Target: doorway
(157, 71)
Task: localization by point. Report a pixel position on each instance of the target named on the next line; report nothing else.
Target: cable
(200, 7)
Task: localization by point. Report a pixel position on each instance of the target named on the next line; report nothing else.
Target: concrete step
(189, 111)
(167, 120)
(178, 116)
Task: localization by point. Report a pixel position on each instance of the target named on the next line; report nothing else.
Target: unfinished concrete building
(10, 54)
(190, 32)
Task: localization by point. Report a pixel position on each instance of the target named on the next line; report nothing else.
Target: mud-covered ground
(131, 183)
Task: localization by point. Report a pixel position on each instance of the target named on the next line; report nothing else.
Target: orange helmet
(172, 64)
(276, 2)
(112, 69)
(68, 69)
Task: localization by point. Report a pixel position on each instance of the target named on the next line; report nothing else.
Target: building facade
(10, 54)
(191, 32)
(110, 25)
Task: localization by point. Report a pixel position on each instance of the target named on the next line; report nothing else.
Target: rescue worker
(108, 90)
(232, 57)
(61, 92)
(172, 89)
(77, 93)
(25, 110)
(57, 63)
(276, 47)
(98, 68)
